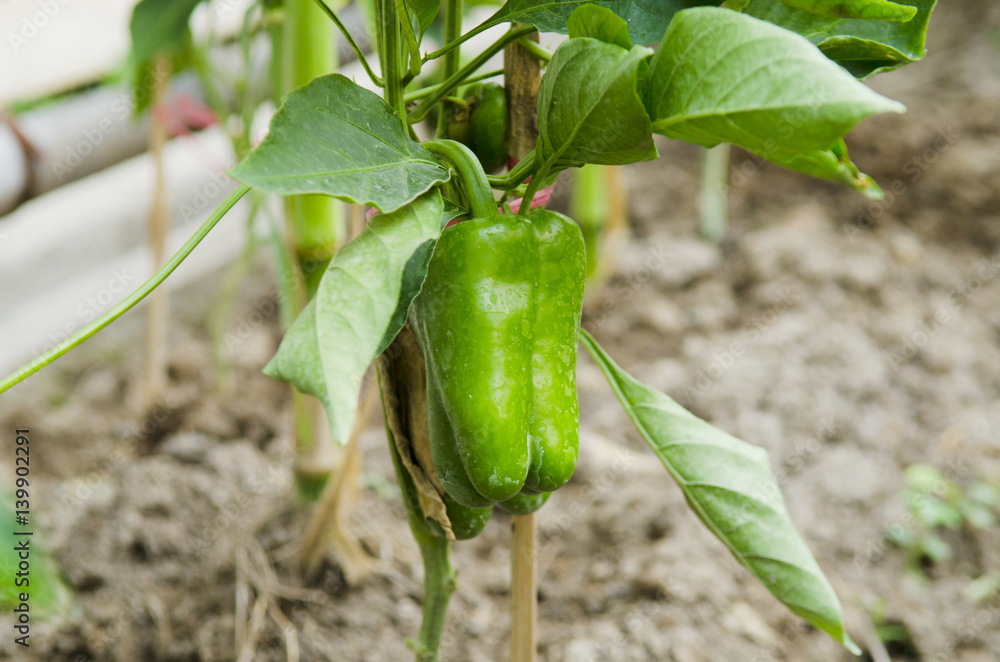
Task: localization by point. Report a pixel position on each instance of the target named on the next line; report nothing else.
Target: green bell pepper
(488, 123)
(498, 320)
(525, 504)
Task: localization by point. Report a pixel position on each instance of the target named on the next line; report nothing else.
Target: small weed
(936, 503)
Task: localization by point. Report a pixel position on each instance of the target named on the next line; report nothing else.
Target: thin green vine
(131, 300)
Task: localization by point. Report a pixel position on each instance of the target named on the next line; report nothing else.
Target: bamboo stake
(523, 594)
(156, 325)
(522, 77)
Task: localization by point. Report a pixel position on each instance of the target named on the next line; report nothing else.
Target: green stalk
(439, 577)
(452, 82)
(455, 43)
(316, 225)
(416, 95)
(474, 185)
(410, 38)
(439, 583)
(589, 207)
(350, 40)
(533, 186)
(517, 174)
(316, 221)
(535, 49)
(391, 56)
(715, 193)
(131, 300)
(453, 13)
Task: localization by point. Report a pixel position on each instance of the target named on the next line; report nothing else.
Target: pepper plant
(468, 298)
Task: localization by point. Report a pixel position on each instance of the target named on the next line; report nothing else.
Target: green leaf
(869, 9)
(360, 306)
(923, 477)
(934, 548)
(49, 596)
(589, 109)
(720, 76)
(729, 485)
(332, 136)
(425, 11)
(863, 47)
(599, 23)
(159, 26)
(646, 19)
(832, 164)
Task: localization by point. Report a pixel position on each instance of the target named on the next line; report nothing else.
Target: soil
(849, 338)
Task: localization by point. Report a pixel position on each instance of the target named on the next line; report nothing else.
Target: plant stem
(523, 592)
(421, 111)
(131, 300)
(473, 180)
(535, 49)
(589, 207)
(516, 175)
(316, 221)
(439, 584)
(715, 192)
(439, 577)
(315, 230)
(410, 37)
(533, 186)
(387, 21)
(453, 12)
(416, 95)
(450, 45)
(350, 40)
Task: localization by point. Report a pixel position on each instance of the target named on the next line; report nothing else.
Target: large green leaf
(729, 485)
(599, 23)
(833, 164)
(647, 19)
(589, 108)
(332, 136)
(864, 47)
(159, 26)
(360, 306)
(871, 9)
(721, 76)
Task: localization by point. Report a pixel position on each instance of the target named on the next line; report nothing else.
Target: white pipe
(70, 255)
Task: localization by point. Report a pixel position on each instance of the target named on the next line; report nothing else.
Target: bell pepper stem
(470, 173)
(439, 577)
(533, 186)
(512, 179)
(439, 584)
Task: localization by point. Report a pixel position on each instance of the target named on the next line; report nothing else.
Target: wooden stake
(522, 78)
(522, 73)
(523, 594)
(159, 222)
